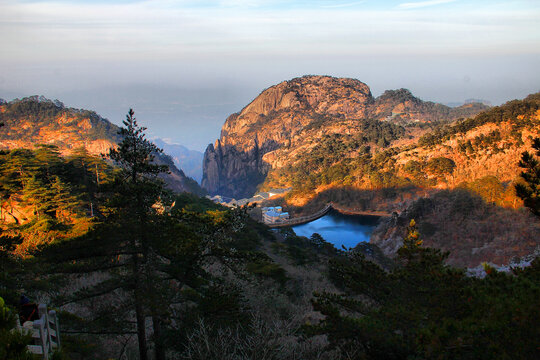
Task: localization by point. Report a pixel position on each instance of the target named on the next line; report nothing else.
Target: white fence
(45, 333)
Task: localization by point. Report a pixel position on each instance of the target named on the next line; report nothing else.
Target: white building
(272, 215)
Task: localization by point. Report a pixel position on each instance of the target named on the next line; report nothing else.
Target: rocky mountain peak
(312, 95)
(277, 117)
(315, 93)
(295, 112)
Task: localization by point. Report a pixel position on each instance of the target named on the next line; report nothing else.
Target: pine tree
(119, 247)
(147, 254)
(137, 193)
(530, 190)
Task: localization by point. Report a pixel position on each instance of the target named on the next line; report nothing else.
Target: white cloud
(422, 4)
(342, 5)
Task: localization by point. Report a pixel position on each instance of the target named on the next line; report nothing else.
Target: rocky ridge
(37, 120)
(289, 118)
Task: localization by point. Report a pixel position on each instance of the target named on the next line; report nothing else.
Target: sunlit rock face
(288, 118)
(279, 117)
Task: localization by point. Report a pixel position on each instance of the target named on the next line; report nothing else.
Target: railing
(303, 219)
(322, 212)
(45, 333)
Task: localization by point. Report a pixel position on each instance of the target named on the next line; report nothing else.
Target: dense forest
(137, 271)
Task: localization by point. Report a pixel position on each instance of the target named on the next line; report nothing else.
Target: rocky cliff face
(277, 118)
(290, 117)
(36, 120)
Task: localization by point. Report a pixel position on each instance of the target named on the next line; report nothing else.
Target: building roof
(272, 213)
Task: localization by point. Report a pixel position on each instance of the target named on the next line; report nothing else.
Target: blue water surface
(339, 229)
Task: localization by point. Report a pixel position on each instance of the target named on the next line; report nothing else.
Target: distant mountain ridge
(452, 170)
(288, 118)
(190, 161)
(37, 120)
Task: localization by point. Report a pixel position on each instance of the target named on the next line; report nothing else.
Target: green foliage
(379, 132)
(530, 190)
(301, 250)
(440, 166)
(318, 121)
(191, 202)
(135, 154)
(341, 159)
(267, 269)
(45, 196)
(489, 188)
(426, 309)
(413, 167)
(12, 342)
(10, 268)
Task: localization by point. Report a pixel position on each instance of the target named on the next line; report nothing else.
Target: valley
(269, 180)
(86, 222)
(331, 141)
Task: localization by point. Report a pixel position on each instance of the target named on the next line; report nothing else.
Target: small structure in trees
(45, 332)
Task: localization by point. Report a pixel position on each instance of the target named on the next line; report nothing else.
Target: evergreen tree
(151, 259)
(424, 309)
(119, 248)
(530, 190)
(136, 192)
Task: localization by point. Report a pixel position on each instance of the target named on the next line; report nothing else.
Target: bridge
(322, 212)
(302, 219)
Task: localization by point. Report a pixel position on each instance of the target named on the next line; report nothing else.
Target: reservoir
(340, 229)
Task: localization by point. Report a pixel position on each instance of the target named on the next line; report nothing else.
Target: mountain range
(190, 161)
(330, 140)
(290, 118)
(453, 170)
(36, 120)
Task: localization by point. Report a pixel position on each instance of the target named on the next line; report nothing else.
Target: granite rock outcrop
(288, 118)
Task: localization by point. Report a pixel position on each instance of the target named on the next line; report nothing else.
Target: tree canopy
(529, 191)
(423, 309)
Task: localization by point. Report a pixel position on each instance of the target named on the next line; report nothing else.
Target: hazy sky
(185, 65)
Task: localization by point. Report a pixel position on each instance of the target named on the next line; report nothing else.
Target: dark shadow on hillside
(233, 172)
(463, 223)
(384, 200)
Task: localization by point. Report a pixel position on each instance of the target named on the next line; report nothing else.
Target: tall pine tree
(530, 190)
(136, 192)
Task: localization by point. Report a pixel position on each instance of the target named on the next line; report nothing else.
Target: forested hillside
(148, 274)
(36, 120)
(475, 161)
(267, 142)
(378, 155)
(46, 197)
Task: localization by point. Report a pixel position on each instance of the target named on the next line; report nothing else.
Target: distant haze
(185, 65)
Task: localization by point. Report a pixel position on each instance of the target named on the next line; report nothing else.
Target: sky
(185, 65)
